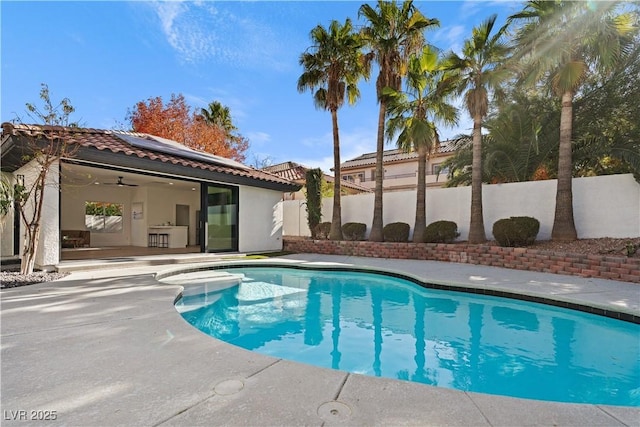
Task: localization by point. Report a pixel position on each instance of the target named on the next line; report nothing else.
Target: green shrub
(396, 232)
(322, 231)
(516, 231)
(441, 232)
(354, 230)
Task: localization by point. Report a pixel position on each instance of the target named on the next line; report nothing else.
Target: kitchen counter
(178, 234)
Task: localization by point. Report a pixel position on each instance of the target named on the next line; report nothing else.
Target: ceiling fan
(120, 183)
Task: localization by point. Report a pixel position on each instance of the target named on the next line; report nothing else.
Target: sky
(107, 56)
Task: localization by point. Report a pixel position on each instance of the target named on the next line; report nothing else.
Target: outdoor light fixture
(20, 180)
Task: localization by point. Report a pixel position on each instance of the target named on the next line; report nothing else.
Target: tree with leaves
(607, 129)
(393, 32)
(413, 117)
(44, 147)
(177, 122)
(561, 42)
(479, 73)
(219, 115)
(332, 68)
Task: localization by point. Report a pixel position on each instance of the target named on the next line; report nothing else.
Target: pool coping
(109, 348)
(606, 310)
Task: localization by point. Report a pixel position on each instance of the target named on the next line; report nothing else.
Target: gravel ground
(605, 246)
(10, 276)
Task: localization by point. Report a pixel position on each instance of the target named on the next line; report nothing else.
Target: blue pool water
(389, 327)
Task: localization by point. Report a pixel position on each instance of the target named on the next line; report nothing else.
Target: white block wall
(604, 206)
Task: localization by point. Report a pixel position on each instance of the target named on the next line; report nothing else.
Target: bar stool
(153, 240)
(163, 240)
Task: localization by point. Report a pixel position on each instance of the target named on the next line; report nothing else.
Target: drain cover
(228, 387)
(334, 411)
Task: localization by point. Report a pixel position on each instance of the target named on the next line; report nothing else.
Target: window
(103, 217)
(438, 169)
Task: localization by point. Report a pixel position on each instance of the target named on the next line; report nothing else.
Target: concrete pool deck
(107, 347)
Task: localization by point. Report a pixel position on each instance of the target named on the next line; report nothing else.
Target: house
(138, 190)
(297, 173)
(400, 168)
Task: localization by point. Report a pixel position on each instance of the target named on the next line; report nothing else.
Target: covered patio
(133, 194)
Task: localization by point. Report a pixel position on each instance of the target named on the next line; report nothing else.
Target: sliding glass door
(221, 207)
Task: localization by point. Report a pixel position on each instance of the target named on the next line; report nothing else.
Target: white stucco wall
(260, 219)
(295, 217)
(139, 232)
(48, 252)
(604, 206)
(6, 223)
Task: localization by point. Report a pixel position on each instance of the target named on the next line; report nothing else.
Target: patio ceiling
(80, 175)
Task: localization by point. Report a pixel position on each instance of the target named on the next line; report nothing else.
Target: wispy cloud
(450, 38)
(470, 8)
(258, 138)
(202, 31)
(196, 101)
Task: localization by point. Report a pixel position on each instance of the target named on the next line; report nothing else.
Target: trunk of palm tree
(376, 226)
(476, 226)
(564, 228)
(421, 219)
(336, 218)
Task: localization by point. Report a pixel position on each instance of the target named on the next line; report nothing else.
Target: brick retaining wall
(599, 266)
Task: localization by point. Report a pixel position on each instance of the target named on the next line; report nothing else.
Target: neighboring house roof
(288, 170)
(139, 151)
(397, 155)
(297, 173)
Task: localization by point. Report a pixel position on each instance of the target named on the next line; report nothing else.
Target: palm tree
(332, 68)
(562, 42)
(413, 115)
(521, 143)
(218, 115)
(393, 33)
(479, 73)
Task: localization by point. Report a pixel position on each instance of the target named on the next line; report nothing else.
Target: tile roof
(296, 172)
(288, 170)
(116, 142)
(396, 155)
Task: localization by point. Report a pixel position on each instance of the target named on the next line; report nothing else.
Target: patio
(107, 347)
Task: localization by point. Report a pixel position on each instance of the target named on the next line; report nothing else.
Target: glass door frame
(204, 217)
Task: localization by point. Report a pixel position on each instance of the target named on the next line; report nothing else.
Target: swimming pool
(390, 327)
